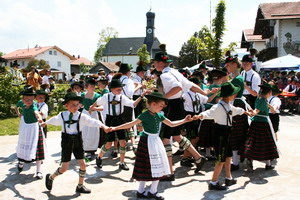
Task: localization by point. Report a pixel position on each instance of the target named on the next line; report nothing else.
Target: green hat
(247, 58)
(162, 56)
(91, 81)
(71, 96)
(140, 68)
(230, 59)
(156, 95)
(124, 67)
(275, 89)
(42, 92)
(15, 63)
(194, 80)
(28, 91)
(266, 85)
(216, 74)
(115, 83)
(82, 77)
(76, 83)
(228, 89)
(202, 66)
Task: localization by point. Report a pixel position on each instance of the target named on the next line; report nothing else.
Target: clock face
(149, 30)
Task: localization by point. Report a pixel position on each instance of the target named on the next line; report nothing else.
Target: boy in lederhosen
(113, 106)
(222, 114)
(72, 122)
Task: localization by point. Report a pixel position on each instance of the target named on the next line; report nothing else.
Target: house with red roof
(251, 41)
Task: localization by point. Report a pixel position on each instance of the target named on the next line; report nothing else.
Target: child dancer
(72, 122)
(222, 114)
(31, 139)
(261, 143)
(151, 159)
(274, 107)
(41, 97)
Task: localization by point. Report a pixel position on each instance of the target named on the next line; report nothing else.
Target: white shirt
(275, 102)
(43, 108)
(172, 78)
(128, 88)
(85, 120)
(253, 76)
(139, 81)
(45, 80)
(190, 97)
(103, 101)
(218, 114)
(287, 88)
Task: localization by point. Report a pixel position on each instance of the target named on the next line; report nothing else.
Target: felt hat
(228, 89)
(15, 63)
(78, 84)
(156, 95)
(124, 67)
(140, 68)
(230, 59)
(28, 91)
(162, 55)
(202, 66)
(102, 79)
(51, 77)
(115, 83)
(71, 96)
(194, 80)
(42, 92)
(91, 81)
(266, 85)
(247, 58)
(275, 89)
(216, 74)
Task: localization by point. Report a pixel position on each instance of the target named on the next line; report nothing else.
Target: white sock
(141, 187)
(268, 162)
(213, 183)
(228, 178)
(235, 158)
(38, 165)
(207, 152)
(153, 187)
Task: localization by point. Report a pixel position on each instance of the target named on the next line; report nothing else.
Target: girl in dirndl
(151, 159)
(240, 123)
(261, 143)
(31, 137)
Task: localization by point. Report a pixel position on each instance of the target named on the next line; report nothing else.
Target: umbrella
(288, 62)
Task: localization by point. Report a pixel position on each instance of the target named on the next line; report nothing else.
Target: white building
(58, 59)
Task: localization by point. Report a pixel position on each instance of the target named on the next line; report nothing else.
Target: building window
(55, 53)
(58, 63)
(298, 24)
(50, 52)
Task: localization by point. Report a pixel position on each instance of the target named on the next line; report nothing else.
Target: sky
(74, 25)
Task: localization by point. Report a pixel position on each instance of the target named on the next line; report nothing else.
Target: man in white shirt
(139, 88)
(252, 80)
(46, 77)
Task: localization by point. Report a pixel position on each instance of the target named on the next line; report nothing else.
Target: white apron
(90, 135)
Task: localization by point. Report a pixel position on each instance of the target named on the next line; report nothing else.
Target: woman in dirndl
(151, 159)
(261, 143)
(240, 122)
(31, 137)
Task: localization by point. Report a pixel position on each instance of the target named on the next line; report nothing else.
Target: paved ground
(111, 183)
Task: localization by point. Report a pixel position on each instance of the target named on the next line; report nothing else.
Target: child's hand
(200, 117)
(188, 118)
(40, 121)
(195, 117)
(106, 128)
(43, 124)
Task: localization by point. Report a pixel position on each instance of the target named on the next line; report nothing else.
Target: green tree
(218, 31)
(144, 55)
(231, 47)
(1, 53)
(105, 35)
(32, 62)
(83, 68)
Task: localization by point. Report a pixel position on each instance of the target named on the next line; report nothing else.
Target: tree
(1, 53)
(83, 68)
(218, 30)
(40, 64)
(144, 55)
(105, 35)
(231, 47)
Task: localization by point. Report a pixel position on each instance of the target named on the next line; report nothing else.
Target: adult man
(251, 80)
(138, 82)
(173, 84)
(18, 76)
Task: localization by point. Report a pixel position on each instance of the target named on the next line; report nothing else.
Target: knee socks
(153, 187)
(141, 187)
(235, 158)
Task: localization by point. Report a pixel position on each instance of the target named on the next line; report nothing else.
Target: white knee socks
(38, 165)
(153, 188)
(141, 188)
(235, 158)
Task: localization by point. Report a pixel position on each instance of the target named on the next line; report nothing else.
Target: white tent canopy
(288, 62)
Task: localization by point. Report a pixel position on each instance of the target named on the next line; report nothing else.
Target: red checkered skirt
(206, 138)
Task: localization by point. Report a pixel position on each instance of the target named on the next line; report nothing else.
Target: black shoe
(186, 162)
(114, 154)
(155, 196)
(216, 187)
(123, 166)
(235, 167)
(168, 178)
(48, 182)
(249, 165)
(269, 167)
(39, 175)
(141, 195)
(178, 152)
(82, 189)
(230, 182)
(211, 158)
(20, 166)
(200, 165)
(99, 162)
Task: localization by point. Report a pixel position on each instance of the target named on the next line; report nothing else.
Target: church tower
(149, 39)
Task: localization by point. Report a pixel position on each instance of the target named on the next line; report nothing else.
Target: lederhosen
(71, 143)
(192, 127)
(114, 120)
(249, 98)
(139, 107)
(274, 117)
(128, 111)
(44, 128)
(173, 111)
(222, 136)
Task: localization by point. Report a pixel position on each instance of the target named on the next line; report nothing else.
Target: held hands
(106, 128)
(188, 118)
(43, 124)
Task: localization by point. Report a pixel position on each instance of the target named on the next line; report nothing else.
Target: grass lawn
(10, 126)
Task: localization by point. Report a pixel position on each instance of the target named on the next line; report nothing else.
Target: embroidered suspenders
(73, 121)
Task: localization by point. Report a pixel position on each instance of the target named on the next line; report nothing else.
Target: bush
(9, 95)
(57, 97)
